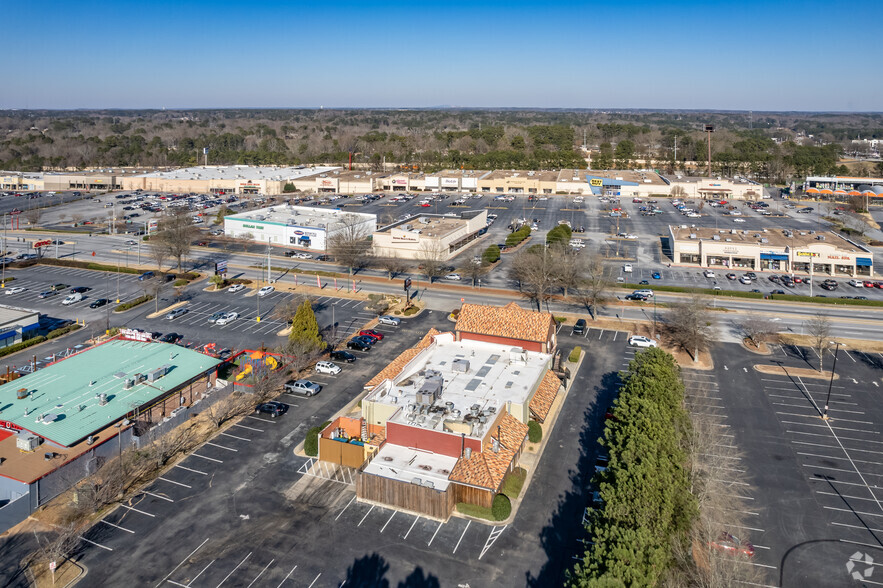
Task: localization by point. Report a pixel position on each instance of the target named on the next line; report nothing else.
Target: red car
(869, 284)
(426, 205)
(376, 335)
(731, 544)
(878, 284)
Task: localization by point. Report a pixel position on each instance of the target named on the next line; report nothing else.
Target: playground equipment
(254, 360)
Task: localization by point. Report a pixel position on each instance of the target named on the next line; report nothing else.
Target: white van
(627, 267)
(75, 297)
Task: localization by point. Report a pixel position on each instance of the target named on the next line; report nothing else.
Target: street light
(831, 381)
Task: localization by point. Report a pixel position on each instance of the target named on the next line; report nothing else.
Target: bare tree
(595, 286)
(690, 325)
(176, 233)
(58, 543)
(819, 330)
(159, 250)
(432, 259)
(169, 445)
(393, 265)
(228, 408)
(534, 270)
(474, 270)
(569, 266)
(76, 218)
(33, 216)
(856, 222)
(349, 242)
(266, 383)
(756, 328)
(678, 191)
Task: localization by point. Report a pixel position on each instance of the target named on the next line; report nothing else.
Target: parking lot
(812, 498)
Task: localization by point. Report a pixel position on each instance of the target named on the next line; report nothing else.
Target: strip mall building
(781, 250)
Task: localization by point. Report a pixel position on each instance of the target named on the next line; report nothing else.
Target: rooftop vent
(460, 366)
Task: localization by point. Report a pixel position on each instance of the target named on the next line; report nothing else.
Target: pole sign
(221, 267)
(407, 284)
(38, 244)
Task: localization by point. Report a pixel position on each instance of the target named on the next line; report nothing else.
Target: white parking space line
(235, 437)
(200, 573)
(261, 574)
(206, 458)
(220, 446)
(166, 498)
(853, 511)
(117, 526)
(382, 529)
(260, 419)
(434, 534)
(314, 580)
(182, 563)
(173, 482)
(826, 426)
(839, 458)
(234, 569)
(836, 447)
(843, 496)
(288, 575)
(860, 527)
(816, 416)
(345, 507)
(97, 544)
(249, 428)
(832, 409)
(366, 516)
(416, 518)
(828, 437)
(190, 470)
(153, 516)
(461, 536)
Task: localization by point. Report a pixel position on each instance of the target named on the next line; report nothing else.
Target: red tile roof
(395, 367)
(510, 321)
(545, 395)
(487, 469)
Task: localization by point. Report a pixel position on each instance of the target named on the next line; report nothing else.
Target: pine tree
(304, 334)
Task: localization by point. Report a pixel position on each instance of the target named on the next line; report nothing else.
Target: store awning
(863, 261)
(774, 256)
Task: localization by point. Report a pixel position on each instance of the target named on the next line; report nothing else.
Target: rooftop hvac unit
(27, 441)
(460, 366)
(764, 240)
(467, 453)
(716, 237)
(130, 383)
(21, 393)
(425, 220)
(820, 237)
(102, 399)
(692, 235)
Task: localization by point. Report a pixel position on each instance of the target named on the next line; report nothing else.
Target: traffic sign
(407, 284)
(52, 566)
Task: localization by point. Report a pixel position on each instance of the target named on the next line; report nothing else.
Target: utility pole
(708, 130)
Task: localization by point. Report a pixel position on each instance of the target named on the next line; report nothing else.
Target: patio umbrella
(826, 191)
(854, 193)
(840, 192)
(812, 190)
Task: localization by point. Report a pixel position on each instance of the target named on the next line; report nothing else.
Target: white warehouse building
(296, 226)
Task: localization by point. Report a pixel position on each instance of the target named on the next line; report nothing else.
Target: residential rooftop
(773, 237)
(297, 216)
(460, 386)
(71, 399)
(241, 172)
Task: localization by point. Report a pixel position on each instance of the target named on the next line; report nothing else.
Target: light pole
(118, 278)
(831, 381)
(333, 324)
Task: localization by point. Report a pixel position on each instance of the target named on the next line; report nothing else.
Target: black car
(273, 409)
(643, 283)
(777, 292)
(580, 327)
(155, 335)
(342, 355)
(171, 338)
(80, 289)
(358, 345)
(99, 302)
(366, 339)
(640, 297)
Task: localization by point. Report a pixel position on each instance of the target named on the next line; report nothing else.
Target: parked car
(656, 276)
(358, 345)
(171, 338)
(99, 302)
(59, 287)
(377, 335)
(366, 339)
(48, 293)
(641, 341)
(236, 288)
(389, 320)
(16, 290)
(327, 367)
(146, 276)
(72, 299)
(214, 318)
(302, 387)
(80, 289)
(272, 408)
(731, 276)
(731, 544)
(708, 274)
(177, 313)
(228, 318)
(856, 283)
(580, 327)
(601, 463)
(829, 284)
(342, 355)
(266, 290)
(455, 277)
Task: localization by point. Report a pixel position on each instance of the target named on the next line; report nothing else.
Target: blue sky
(753, 54)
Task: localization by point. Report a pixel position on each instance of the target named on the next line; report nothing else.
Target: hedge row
(133, 303)
(62, 331)
(647, 507)
(518, 236)
(311, 441)
(73, 263)
(23, 345)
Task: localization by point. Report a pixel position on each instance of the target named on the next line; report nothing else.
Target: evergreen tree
(304, 334)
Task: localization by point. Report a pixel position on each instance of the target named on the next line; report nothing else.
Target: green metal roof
(71, 388)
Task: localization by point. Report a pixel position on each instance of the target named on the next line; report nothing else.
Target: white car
(389, 320)
(639, 341)
(236, 288)
(15, 290)
(646, 292)
(227, 318)
(327, 367)
(627, 267)
(708, 274)
(72, 298)
(738, 220)
(745, 280)
(266, 290)
(303, 255)
(856, 283)
(630, 236)
(453, 277)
